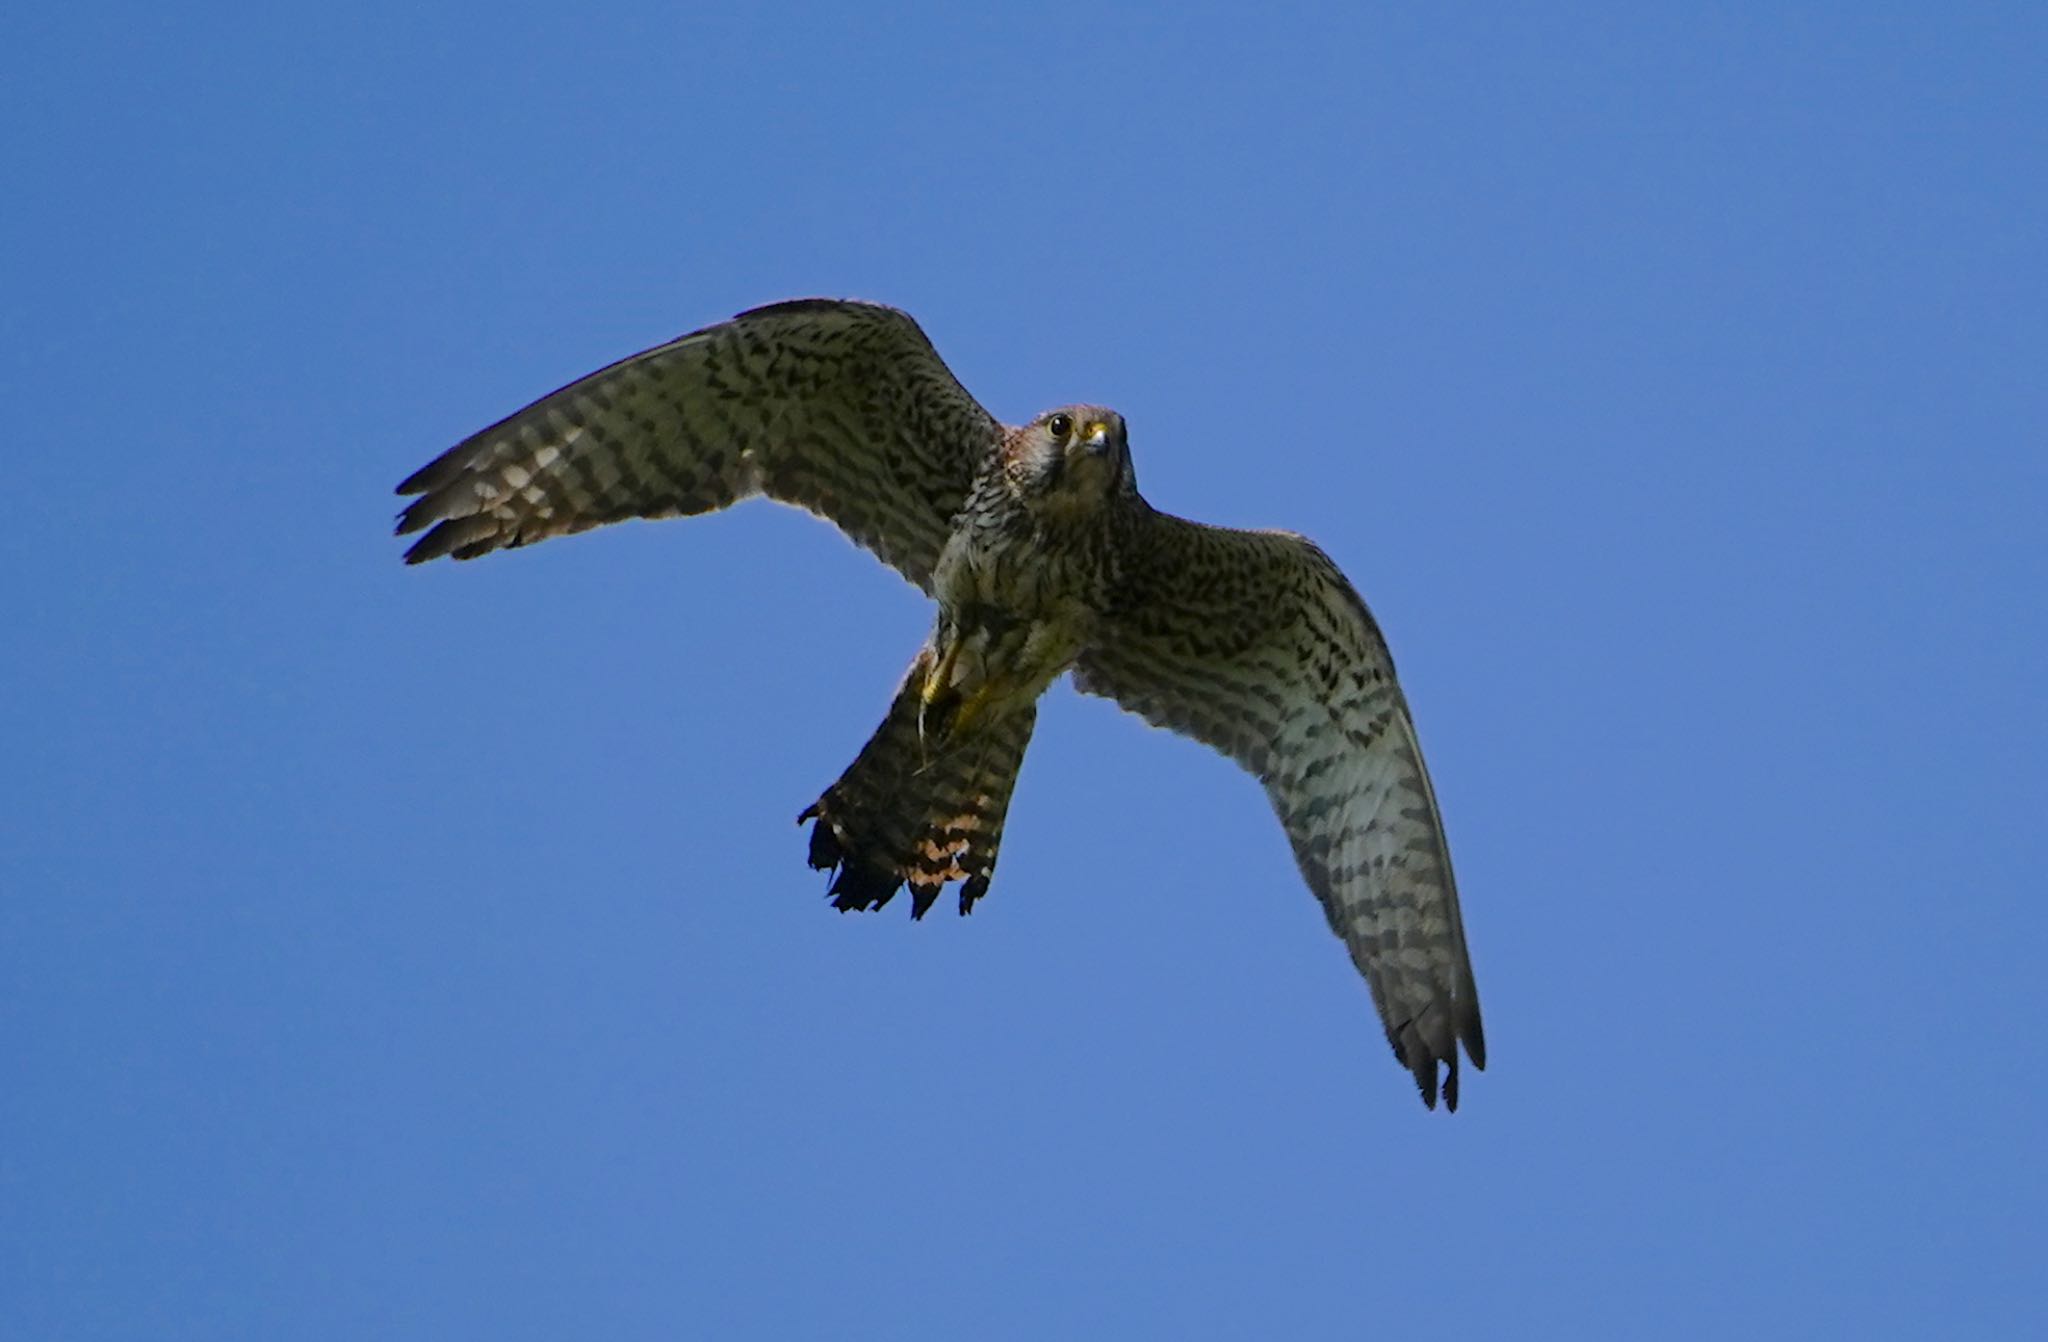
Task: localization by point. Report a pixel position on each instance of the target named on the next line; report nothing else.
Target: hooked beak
(1097, 441)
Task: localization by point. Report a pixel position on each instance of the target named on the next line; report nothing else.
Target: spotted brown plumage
(1042, 558)
(925, 816)
(1255, 643)
(840, 408)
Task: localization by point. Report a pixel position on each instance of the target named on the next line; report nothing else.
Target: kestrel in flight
(1042, 558)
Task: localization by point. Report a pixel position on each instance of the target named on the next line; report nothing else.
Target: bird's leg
(937, 677)
(971, 705)
(966, 673)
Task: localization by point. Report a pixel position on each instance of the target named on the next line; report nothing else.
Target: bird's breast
(1017, 608)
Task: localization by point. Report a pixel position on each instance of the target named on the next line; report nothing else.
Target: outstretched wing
(1255, 643)
(842, 408)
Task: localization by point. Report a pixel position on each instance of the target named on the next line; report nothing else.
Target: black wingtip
(1422, 1062)
(437, 472)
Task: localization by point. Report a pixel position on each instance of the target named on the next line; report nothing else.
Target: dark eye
(1059, 426)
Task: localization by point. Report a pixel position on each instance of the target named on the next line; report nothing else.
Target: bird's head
(1074, 457)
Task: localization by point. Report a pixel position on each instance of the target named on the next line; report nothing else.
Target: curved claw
(938, 674)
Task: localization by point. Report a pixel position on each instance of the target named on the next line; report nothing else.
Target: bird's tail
(920, 808)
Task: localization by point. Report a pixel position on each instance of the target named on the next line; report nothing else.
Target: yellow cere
(1096, 429)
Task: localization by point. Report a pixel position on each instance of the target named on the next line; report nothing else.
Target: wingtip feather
(1474, 1036)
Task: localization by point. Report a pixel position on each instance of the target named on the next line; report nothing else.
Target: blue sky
(430, 953)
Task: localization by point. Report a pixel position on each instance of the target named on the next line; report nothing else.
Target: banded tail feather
(918, 809)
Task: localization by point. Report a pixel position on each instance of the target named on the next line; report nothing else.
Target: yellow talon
(936, 679)
(970, 706)
(938, 683)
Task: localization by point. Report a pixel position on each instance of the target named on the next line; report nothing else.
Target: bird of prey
(1042, 558)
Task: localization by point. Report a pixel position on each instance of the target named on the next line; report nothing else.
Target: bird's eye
(1059, 426)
